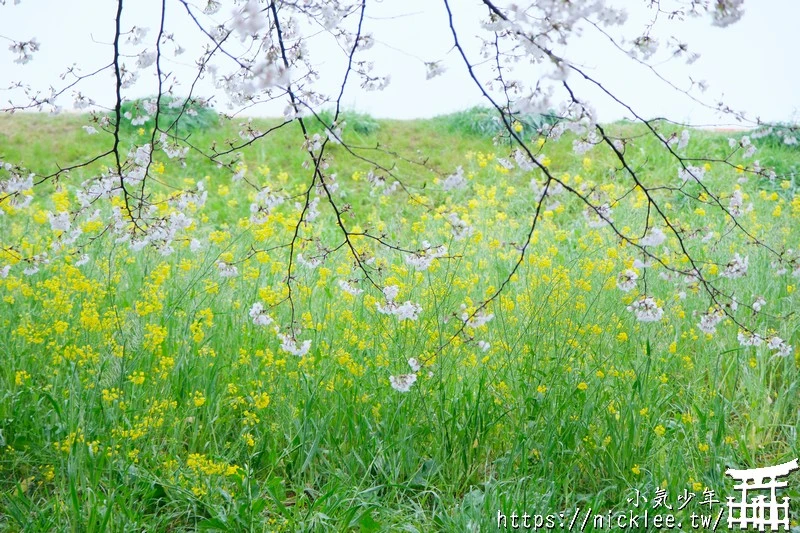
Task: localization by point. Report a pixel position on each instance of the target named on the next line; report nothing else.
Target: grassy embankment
(137, 394)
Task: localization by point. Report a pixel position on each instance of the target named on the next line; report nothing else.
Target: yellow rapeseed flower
(198, 399)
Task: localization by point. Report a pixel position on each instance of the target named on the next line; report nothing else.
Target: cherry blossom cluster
(289, 342)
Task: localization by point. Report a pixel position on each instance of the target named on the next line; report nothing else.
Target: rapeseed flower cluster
(208, 357)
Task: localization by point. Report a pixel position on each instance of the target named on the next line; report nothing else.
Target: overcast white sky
(752, 63)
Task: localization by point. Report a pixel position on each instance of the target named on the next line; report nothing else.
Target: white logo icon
(759, 511)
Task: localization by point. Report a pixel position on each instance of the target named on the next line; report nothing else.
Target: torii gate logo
(757, 510)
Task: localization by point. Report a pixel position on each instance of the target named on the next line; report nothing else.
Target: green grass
(484, 122)
(575, 404)
(176, 116)
(360, 123)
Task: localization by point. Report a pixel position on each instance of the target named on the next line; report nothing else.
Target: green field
(137, 393)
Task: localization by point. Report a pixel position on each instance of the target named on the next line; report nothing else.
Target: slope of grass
(137, 393)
